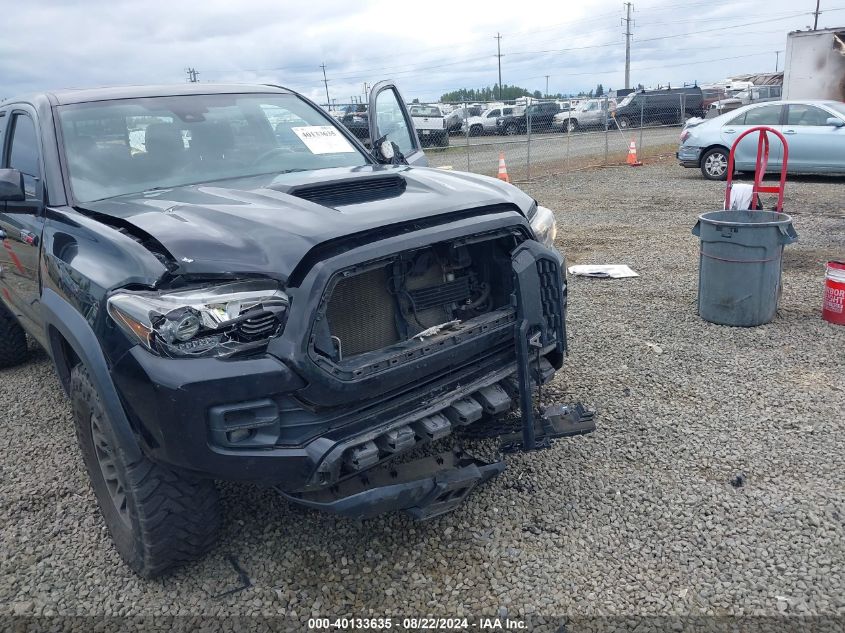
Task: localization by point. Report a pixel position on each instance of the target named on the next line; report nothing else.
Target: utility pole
(499, 55)
(366, 91)
(326, 82)
(816, 16)
(547, 86)
(627, 21)
(777, 59)
(192, 75)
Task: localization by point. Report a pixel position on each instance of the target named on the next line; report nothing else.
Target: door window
(799, 114)
(493, 114)
(764, 115)
(23, 153)
(391, 121)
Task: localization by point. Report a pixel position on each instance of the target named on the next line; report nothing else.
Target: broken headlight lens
(544, 226)
(217, 321)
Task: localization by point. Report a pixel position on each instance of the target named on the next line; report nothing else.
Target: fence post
(606, 140)
(568, 116)
(642, 120)
(528, 148)
(681, 99)
(466, 121)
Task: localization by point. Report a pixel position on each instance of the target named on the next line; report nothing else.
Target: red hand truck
(760, 167)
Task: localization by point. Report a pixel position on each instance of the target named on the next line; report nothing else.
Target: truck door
(21, 222)
(389, 117)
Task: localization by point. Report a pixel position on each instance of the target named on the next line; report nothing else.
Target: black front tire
(13, 348)
(511, 130)
(714, 164)
(157, 517)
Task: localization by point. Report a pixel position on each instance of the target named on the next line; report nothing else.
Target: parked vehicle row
(434, 122)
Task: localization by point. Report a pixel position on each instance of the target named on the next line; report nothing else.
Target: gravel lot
(639, 518)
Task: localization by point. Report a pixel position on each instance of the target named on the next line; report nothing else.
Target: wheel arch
(72, 341)
(704, 150)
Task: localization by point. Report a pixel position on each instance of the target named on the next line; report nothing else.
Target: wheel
(571, 125)
(13, 349)
(623, 122)
(714, 164)
(511, 129)
(476, 130)
(157, 517)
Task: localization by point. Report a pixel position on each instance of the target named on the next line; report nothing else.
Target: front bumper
(688, 156)
(295, 423)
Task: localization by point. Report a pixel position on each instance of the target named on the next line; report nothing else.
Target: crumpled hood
(253, 225)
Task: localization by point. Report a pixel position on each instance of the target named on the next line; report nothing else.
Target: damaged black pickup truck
(232, 287)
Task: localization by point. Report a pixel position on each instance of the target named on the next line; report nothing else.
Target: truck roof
(85, 95)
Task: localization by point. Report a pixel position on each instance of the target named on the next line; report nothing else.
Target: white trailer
(815, 65)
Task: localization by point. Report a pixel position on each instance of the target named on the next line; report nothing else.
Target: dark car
(669, 106)
(231, 287)
(539, 116)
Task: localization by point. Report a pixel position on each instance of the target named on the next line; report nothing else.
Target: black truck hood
(262, 225)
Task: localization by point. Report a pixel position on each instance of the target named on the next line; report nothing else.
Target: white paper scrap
(323, 139)
(611, 271)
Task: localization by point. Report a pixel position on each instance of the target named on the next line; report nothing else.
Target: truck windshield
(131, 145)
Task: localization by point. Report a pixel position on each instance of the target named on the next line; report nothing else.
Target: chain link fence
(540, 137)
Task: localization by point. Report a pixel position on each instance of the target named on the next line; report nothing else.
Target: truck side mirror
(11, 186)
(835, 122)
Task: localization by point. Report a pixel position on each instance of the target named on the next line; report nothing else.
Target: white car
(485, 123)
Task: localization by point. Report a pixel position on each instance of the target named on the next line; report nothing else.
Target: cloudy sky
(427, 47)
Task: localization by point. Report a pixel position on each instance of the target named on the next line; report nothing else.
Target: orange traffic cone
(632, 155)
(503, 169)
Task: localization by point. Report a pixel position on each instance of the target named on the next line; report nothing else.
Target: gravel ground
(639, 518)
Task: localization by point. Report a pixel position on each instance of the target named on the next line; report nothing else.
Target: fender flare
(59, 314)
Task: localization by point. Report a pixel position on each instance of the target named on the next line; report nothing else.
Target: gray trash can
(740, 265)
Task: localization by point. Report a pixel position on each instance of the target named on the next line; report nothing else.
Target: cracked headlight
(217, 321)
(544, 226)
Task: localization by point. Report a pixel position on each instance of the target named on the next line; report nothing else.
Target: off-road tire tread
(13, 346)
(178, 517)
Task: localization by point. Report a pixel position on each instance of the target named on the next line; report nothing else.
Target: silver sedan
(815, 133)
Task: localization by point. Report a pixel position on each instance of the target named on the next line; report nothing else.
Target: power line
(627, 21)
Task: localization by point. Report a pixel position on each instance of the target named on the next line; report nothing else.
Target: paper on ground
(612, 271)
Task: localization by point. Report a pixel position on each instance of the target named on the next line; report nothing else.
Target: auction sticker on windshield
(323, 139)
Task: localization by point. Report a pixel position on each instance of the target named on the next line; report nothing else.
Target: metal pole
(683, 114)
(569, 116)
(547, 86)
(816, 13)
(499, 56)
(528, 159)
(606, 148)
(627, 21)
(777, 59)
(326, 81)
(466, 119)
(642, 113)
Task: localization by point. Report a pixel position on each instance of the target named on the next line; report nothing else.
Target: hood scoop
(340, 193)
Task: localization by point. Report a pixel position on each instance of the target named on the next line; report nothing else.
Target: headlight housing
(544, 225)
(214, 321)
